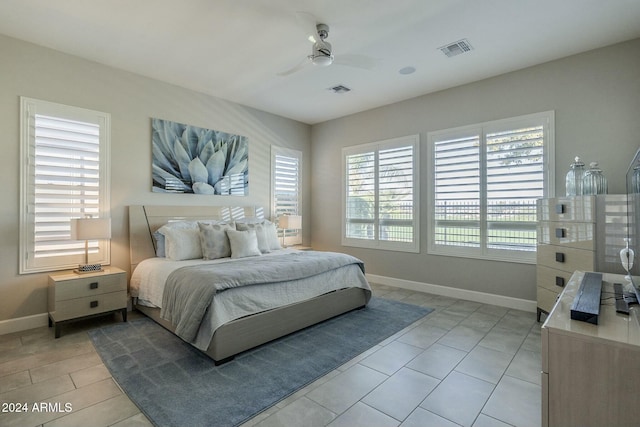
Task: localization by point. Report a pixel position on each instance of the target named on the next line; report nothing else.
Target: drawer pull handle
(560, 281)
(93, 304)
(93, 285)
(561, 233)
(560, 208)
(559, 257)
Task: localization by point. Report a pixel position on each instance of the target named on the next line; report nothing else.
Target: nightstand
(75, 296)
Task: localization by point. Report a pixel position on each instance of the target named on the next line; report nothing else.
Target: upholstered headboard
(144, 220)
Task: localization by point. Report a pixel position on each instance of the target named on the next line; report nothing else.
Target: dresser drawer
(546, 299)
(73, 308)
(79, 286)
(565, 258)
(551, 278)
(580, 235)
(567, 209)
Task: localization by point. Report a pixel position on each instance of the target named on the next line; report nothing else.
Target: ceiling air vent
(457, 48)
(339, 89)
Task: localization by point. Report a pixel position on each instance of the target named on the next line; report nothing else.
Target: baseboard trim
(23, 323)
(447, 291)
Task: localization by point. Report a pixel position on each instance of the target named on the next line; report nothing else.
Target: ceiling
(236, 49)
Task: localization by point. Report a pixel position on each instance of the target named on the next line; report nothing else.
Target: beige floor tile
(401, 393)
(344, 390)
(459, 398)
(90, 375)
(515, 402)
(65, 366)
(361, 415)
(138, 420)
(104, 413)
(14, 381)
(437, 361)
(392, 357)
(302, 412)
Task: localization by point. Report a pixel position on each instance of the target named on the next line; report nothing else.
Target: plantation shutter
(515, 179)
(287, 172)
(395, 208)
(487, 179)
(457, 191)
(380, 198)
(65, 177)
(361, 196)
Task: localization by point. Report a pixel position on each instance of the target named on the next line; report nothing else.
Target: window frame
(101, 249)
(376, 147)
(292, 237)
(545, 119)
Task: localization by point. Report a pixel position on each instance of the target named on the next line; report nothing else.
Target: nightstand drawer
(88, 286)
(78, 307)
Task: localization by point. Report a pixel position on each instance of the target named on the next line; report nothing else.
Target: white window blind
(381, 195)
(486, 180)
(64, 177)
(286, 188)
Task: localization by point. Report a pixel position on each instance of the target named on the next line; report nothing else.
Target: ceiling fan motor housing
(321, 53)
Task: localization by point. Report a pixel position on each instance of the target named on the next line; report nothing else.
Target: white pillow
(243, 243)
(159, 235)
(214, 240)
(271, 233)
(263, 243)
(181, 244)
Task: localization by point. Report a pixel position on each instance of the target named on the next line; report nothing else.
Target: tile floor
(466, 364)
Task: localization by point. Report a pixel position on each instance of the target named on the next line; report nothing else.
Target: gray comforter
(189, 291)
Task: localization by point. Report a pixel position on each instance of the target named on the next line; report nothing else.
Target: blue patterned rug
(174, 384)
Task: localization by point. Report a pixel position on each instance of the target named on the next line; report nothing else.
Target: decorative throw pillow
(214, 240)
(181, 244)
(243, 243)
(263, 244)
(159, 235)
(271, 233)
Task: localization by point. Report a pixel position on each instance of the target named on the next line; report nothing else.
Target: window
(286, 188)
(64, 175)
(380, 198)
(485, 182)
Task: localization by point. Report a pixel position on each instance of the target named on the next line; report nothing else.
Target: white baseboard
(482, 297)
(23, 323)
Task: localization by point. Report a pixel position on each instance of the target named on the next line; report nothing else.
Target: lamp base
(88, 268)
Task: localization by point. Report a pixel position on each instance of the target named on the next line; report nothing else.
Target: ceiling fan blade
(295, 69)
(357, 61)
(307, 23)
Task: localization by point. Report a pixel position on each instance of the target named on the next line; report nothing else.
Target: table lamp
(289, 222)
(89, 229)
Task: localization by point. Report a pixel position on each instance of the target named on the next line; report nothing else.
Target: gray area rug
(175, 384)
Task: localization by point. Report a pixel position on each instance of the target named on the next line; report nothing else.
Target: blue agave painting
(189, 159)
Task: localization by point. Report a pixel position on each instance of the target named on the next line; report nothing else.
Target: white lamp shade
(290, 222)
(90, 228)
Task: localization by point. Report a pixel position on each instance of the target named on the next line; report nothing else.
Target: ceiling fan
(322, 54)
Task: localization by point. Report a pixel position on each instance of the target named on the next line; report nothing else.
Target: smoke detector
(456, 48)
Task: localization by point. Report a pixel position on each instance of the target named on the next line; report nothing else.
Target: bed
(237, 317)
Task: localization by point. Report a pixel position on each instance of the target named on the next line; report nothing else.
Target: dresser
(75, 296)
(576, 233)
(591, 373)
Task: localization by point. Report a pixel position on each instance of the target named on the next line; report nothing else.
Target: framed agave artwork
(189, 159)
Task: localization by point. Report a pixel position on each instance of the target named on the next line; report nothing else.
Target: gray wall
(596, 98)
(132, 100)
